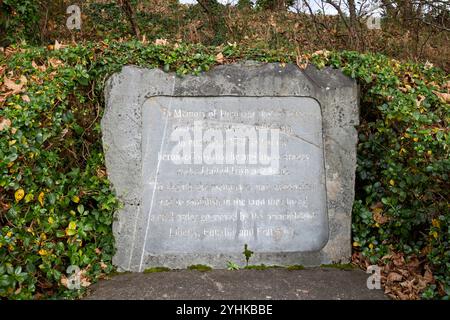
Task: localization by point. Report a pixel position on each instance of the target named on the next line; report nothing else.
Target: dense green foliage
(56, 206)
(18, 17)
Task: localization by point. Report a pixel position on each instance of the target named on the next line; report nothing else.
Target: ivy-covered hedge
(56, 206)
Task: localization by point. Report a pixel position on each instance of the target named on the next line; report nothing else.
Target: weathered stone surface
(273, 284)
(296, 211)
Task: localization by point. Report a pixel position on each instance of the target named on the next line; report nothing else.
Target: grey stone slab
(296, 211)
(273, 284)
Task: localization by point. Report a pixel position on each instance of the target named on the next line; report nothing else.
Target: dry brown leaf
(220, 58)
(4, 123)
(161, 42)
(84, 279)
(402, 296)
(444, 97)
(324, 53)
(394, 276)
(55, 63)
(447, 86)
(52, 75)
(9, 51)
(64, 281)
(413, 264)
(26, 98)
(38, 67)
(101, 173)
(398, 260)
(378, 216)
(407, 285)
(57, 45)
(301, 60)
(421, 284)
(428, 276)
(419, 100)
(13, 86)
(388, 256)
(85, 282)
(428, 65)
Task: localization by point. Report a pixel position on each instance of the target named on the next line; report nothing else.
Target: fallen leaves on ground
(13, 87)
(76, 278)
(402, 278)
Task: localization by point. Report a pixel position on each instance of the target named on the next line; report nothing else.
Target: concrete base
(277, 284)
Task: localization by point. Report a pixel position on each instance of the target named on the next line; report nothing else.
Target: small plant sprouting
(247, 253)
(232, 266)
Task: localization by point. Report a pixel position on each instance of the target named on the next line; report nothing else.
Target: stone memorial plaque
(204, 203)
(245, 154)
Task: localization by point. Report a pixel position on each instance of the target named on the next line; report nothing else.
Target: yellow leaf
(12, 142)
(356, 244)
(392, 182)
(9, 234)
(371, 246)
(72, 225)
(51, 220)
(41, 198)
(19, 194)
(436, 223)
(70, 232)
(29, 197)
(43, 252)
(416, 139)
(75, 199)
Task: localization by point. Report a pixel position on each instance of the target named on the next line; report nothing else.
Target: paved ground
(278, 284)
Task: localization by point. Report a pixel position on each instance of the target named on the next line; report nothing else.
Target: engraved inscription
(219, 172)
